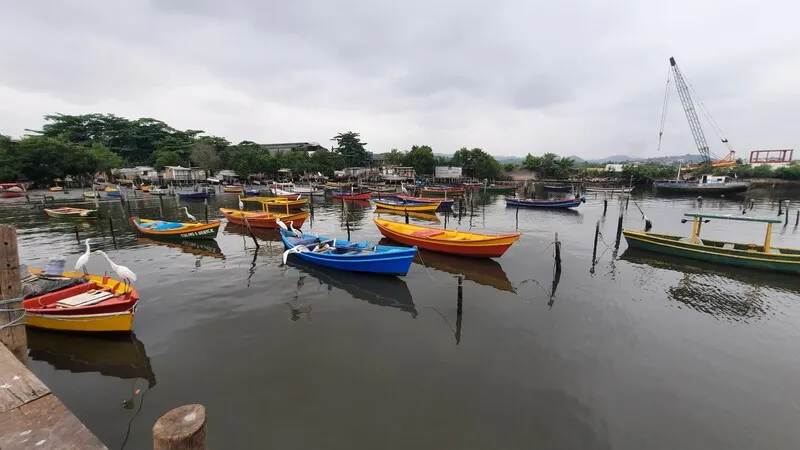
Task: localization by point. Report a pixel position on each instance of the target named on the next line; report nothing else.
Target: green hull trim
(785, 263)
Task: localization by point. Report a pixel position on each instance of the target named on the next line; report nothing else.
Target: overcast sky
(576, 77)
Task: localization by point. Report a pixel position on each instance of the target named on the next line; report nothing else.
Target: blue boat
(531, 203)
(194, 195)
(349, 256)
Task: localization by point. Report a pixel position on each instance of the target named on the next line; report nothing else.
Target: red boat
(10, 190)
(350, 195)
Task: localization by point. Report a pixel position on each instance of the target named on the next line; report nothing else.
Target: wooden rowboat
(349, 256)
(530, 203)
(159, 229)
(351, 195)
(275, 204)
(91, 194)
(610, 190)
(112, 192)
(194, 195)
(452, 242)
(442, 191)
(262, 219)
(549, 188)
(56, 189)
(443, 202)
(750, 256)
(233, 189)
(71, 213)
(404, 206)
(93, 303)
(494, 189)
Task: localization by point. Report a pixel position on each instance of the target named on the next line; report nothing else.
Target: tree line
(82, 145)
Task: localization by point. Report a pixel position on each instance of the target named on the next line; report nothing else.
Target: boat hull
(95, 323)
(500, 190)
(194, 195)
(263, 220)
(557, 188)
(71, 213)
(191, 232)
(786, 263)
(709, 188)
(410, 207)
(349, 196)
(427, 192)
(523, 203)
(493, 247)
(396, 261)
(443, 203)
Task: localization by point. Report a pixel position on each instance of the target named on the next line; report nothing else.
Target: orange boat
(274, 204)
(261, 219)
(453, 242)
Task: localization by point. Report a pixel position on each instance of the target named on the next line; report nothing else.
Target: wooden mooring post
(113, 235)
(183, 428)
(605, 206)
(12, 315)
(77, 236)
(797, 219)
(558, 254)
(619, 224)
(460, 298)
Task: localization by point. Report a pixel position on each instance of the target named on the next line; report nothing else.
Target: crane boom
(691, 114)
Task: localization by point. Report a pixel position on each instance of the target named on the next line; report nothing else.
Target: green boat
(499, 189)
(750, 256)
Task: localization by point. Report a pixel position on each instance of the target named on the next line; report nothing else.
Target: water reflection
(487, 272)
(199, 248)
(264, 234)
(733, 294)
(121, 357)
(382, 291)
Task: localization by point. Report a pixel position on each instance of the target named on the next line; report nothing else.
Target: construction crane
(685, 93)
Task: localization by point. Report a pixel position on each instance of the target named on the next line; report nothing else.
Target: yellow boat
(454, 242)
(114, 313)
(91, 194)
(145, 188)
(429, 216)
(56, 189)
(275, 204)
(404, 206)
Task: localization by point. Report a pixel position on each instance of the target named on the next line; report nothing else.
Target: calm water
(637, 352)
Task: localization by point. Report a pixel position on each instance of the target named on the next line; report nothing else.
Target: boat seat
(729, 246)
(168, 226)
(427, 233)
(306, 241)
(697, 241)
(775, 251)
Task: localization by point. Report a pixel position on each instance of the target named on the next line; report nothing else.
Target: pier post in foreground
(12, 315)
(460, 301)
(183, 428)
(558, 254)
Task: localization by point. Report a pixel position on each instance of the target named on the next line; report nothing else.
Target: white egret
(297, 233)
(281, 224)
(295, 249)
(403, 188)
(123, 272)
(191, 217)
(241, 205)
(81, 263)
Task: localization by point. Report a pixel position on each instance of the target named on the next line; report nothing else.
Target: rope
(16, 322)
(429, 273)
(11, 300)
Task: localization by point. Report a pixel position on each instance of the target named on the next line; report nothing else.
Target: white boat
(610, 190)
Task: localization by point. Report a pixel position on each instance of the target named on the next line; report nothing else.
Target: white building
(614, 167)
(447, 172)
(142, 172)
(180, 173)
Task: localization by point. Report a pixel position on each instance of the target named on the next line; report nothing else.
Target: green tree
(204, 155)
(421, 158)
(395, 158)
(104, 158)
(165, 158)
(508, 167)
(353, 151)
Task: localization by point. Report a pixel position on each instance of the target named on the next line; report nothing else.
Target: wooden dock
(32, 417)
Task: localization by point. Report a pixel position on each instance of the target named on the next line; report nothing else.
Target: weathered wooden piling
(797, 219)
(780, 207)
(347, 225)
(113, 235)
(619, 224)
(206, 208)
(605, 206)
(183, 428)
(12, 315)
(250, 230)
(516, 218)
(460, 298)
(786, 219)
(77, 236)
(558, 253)
(596, 235)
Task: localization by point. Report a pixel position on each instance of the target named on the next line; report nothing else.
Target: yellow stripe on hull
(117, 322)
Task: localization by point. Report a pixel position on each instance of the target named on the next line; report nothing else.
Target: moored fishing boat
(234, 189)
(498, 189)
(399, 205)
(751, 256)
(610, 190)
(194, 195)
(443, 202)
(277, 204)
(262, 219)
(346, 255)
(159, 229)
(112, 192)
(552, 188)
(11, 190)
(71, 213)
(56, 188)
(158, 191)
(78, 302)
(91, 194)
(452, 242)
(351, 195)
(278, 192)
(707, 184)
(558, 203)
(429, 216)
(442, 191)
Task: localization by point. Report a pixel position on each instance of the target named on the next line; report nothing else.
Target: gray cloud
(511, 76)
